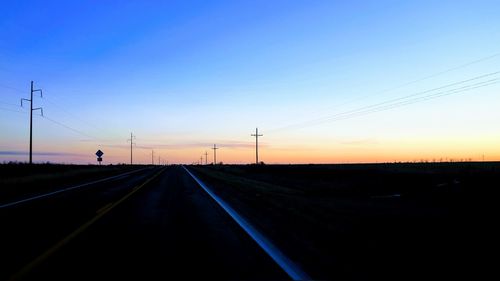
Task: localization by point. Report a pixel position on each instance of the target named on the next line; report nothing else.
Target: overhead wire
(11, 110)
(12, 88)
(436, 74)
(8, 103)
(397, 102)
(60, 107)
(451, 69)
(423, 98)
(70, 128)
(72, 115)
(381, 104)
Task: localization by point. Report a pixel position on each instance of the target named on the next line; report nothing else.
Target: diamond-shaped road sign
(99, 153)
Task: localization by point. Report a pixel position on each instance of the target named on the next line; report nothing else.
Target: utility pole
(152, 155)
(158, 159)
(256, 135)
(131, 143)
(31, 117)
(215, 154)
(201, 160)
(206, 157)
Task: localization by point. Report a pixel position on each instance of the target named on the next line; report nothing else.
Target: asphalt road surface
(156, 224)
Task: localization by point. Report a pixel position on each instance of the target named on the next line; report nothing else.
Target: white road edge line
(285, 263)
(66, 189)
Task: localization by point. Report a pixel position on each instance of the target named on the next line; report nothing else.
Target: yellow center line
(104, 208)
(103, 211)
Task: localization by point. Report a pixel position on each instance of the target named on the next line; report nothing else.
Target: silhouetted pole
(256, 135)
(215, 154)
(158, 159)
(131, 143)
(201, 160)
(206, 157)
(152, 157)
(31, 124)
(31, 117)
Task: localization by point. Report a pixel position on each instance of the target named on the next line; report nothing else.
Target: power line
(419, 99)
(399, 104)
(70, 128)
(72, 115)
(438, 95)
(75, 117)
(434, 75)
(396, 99)
(58, 105)
(402, 85)
(380, 104)
(42, 115)
(384, 107)
(435, 89)
(12, 88)
(11, 110)
(45, 117)
(8, 103)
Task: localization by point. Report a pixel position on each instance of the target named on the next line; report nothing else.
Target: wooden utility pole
(131, 143)
(31, 117)
(215, 154)
(256, 135)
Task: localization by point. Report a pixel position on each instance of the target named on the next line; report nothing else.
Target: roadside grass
(269, 196)
(342, 222)
(19, 180)
(36, 178)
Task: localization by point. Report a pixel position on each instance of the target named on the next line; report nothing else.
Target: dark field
(371, 221)
(22, 180)
(337, 222)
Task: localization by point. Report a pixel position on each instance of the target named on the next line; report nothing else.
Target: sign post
(99, 155)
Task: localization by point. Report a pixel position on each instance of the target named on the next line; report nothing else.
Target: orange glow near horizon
(387, 151)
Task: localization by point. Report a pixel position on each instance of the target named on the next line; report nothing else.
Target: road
(154, 224)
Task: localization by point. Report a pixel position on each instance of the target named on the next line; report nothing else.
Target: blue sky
(185, 74)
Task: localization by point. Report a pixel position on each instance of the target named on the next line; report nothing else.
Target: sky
(324, 81)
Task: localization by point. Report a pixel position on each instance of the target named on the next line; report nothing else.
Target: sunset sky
(325, 81)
